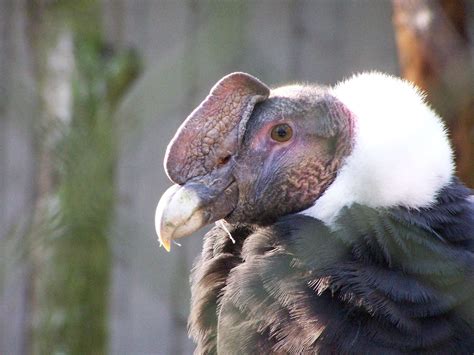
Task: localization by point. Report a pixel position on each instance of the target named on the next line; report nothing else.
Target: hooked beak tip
(165, 244)
(178, 214)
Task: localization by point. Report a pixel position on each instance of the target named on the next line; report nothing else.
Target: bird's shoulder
(371, 282)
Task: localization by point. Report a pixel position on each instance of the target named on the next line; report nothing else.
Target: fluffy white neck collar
(402, 155)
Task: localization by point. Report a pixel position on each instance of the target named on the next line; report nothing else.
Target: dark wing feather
(385, 281)
(219, 257)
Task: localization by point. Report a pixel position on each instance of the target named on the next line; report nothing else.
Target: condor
(340, 226)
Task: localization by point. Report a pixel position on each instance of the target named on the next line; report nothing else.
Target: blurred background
(91, 91)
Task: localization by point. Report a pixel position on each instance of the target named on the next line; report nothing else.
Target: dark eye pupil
(282, 131)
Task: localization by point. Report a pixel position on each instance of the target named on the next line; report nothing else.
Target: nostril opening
(224, 160)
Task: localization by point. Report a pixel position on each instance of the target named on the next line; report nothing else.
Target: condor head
(248, 154)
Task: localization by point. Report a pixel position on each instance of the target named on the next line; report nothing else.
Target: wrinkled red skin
(211, 132)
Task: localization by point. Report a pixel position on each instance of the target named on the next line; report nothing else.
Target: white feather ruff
(402, 155)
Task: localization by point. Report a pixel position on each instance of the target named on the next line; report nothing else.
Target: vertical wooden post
(434, 54)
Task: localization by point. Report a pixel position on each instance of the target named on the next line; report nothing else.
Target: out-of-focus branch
(434, 53)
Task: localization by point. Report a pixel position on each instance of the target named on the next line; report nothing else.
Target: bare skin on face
(280, 177)
(243, 156)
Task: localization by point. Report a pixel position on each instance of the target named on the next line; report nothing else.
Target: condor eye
(282, 132)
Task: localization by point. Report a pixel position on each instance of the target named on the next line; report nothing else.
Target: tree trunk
(80, 82)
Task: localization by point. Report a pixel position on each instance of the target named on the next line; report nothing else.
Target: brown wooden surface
(434, 53)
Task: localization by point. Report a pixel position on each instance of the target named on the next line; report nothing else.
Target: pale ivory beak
(178, 214)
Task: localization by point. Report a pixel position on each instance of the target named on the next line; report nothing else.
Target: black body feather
(385, 281)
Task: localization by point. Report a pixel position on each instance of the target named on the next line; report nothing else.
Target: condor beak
(183, 210)
(178, 214)
(207, 190)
